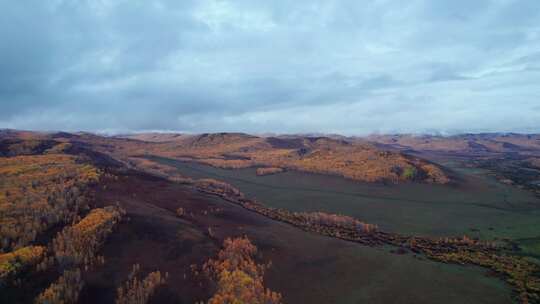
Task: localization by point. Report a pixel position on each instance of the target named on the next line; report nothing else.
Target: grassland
(525, 283)
(478, 208)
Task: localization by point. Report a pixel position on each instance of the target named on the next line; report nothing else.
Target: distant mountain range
(465, 143)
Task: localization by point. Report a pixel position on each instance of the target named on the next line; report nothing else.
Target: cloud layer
(351, 67)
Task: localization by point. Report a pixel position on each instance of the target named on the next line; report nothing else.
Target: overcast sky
(351, 67)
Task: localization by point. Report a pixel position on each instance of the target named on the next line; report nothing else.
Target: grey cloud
(330, 66)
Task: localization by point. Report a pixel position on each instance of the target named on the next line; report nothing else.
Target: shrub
(410, 173)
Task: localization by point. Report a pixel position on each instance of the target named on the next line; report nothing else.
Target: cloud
(281, 66)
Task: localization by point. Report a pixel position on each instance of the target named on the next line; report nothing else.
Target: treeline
(268, 171)
(330, 224)
(65, 290)
(12, 263)
(237, 277)
(521, 273)
(321, 222)
(334, 220)
(38, 192)
(316, 221)
(78, 244)
(137, 291)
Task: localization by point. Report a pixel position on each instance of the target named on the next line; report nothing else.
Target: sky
(349, 67)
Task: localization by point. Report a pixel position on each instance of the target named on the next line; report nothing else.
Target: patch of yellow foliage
(137, 291)
(39, 191)
(12, 262)
(239, 278)
(59, 148)
(65, 290)
(78, 244)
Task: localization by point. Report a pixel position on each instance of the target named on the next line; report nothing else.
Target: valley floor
(306, 268)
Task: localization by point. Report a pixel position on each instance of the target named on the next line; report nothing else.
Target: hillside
(358, 161)
(153, 137)
(76, 227)
(465, 143)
